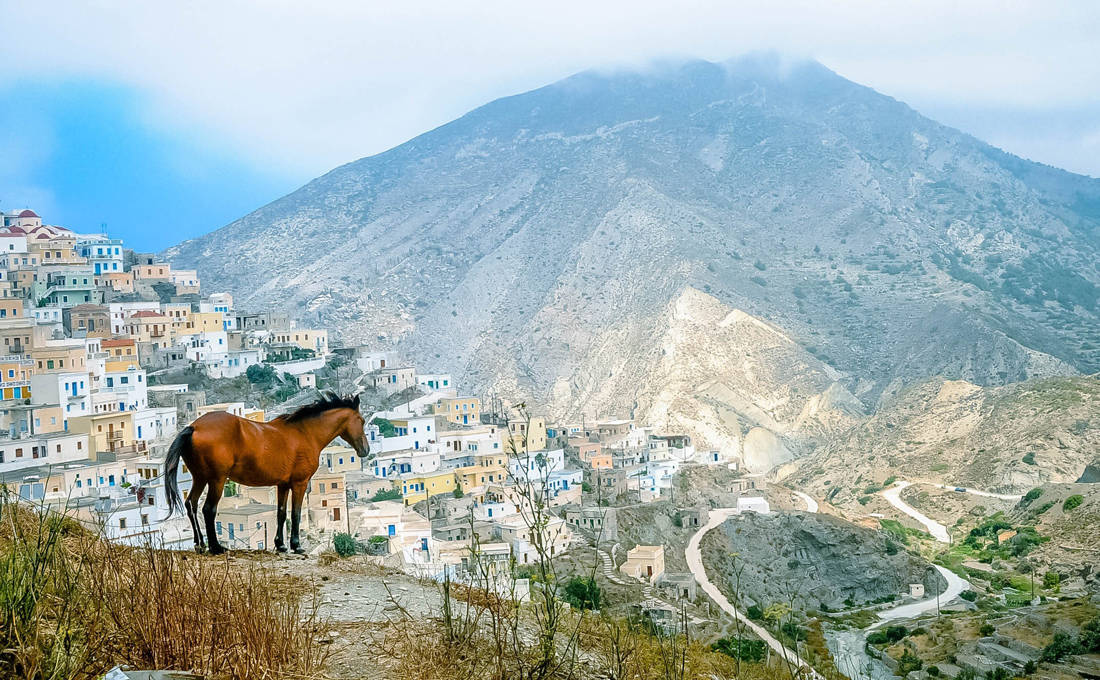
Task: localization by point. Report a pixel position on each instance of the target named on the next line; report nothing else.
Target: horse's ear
(356, 400)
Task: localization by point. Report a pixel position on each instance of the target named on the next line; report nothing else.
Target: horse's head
(354, 431)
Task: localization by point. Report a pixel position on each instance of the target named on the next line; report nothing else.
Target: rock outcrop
(823, 559)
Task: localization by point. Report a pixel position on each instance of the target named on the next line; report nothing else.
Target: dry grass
(609, 649)
(74, 605)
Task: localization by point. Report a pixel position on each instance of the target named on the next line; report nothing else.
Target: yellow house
(62, 358)
(15, 377)
(644, 562)
(339, 458)
(152, 271)
(526, 434)
(419, 486)
(327, 502)
(179, 316)
(306, 338)
(206, 322)
(147, 326)
(461, 410)
(254, 414)
(473, 476)
(120, 282)
(11, 308)
(111, 431)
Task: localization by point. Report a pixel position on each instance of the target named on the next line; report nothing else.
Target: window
(121, 522)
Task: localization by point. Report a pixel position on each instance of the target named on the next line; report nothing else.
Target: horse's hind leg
(284, 491)
(298, 495)
(198, 484)
(209, 509)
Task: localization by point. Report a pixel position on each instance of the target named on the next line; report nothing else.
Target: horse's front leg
(209, 510)
(298, 495)
(284, 491)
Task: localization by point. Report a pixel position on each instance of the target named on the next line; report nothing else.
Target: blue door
(391, 530)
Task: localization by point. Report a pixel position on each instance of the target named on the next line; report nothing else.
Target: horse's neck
(323, 429)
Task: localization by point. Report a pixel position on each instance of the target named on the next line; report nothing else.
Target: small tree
(260, 374)
(582, 593)
(458, 493)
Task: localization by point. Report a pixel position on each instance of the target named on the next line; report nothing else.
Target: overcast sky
(217, 107)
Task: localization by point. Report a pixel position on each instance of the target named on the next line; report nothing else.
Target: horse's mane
(327, 402)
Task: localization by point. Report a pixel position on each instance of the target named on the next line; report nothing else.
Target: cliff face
(541, 245)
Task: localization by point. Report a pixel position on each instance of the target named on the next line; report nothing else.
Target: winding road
(893, 497)
(985, 494)
(811, 504)
(955, 583)
(695, 566)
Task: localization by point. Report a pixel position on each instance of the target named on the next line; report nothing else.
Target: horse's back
(251, 453)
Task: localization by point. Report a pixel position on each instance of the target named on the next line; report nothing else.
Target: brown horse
(283, 453)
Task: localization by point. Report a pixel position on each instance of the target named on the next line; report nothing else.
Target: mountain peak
(537, 243)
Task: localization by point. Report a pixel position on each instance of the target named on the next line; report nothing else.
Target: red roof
(117, 342)
(144, 314)
(28, 213)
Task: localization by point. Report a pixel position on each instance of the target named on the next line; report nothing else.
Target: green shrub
(457, 493)
(1089, 639)
(1029, 458)
(582, 593)
(986, 630)
(1033, 494)
(968, 595)
(933, 671)
(908, 663)
(345, 544)
(1051, 580)
(741, 648)
(387, 495)
(1072, 502)
(1062, 646)
(385, 427)
(755, 612)
(889, 480)
(864, 500)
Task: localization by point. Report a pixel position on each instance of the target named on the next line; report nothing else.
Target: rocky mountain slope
(823, 559)
(537, 245)
(1007, 439)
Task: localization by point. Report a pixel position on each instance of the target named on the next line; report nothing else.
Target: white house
(127, 387)
(755, 504)
(393, 463)
(537, 465)
(70, 390)
(435, 381)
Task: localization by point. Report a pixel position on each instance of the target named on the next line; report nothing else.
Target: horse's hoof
(299, 551)
(280, 548)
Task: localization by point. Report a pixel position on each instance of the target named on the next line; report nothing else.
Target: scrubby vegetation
(73, 605)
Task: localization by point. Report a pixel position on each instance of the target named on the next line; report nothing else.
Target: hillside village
(96, 334)
(110, 352)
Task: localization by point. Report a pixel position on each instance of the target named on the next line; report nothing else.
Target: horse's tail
(180, 446)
